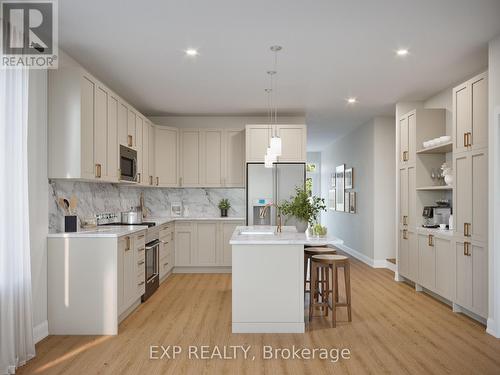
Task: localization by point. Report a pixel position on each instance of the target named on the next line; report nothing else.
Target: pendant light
(275, 143)
(269, 157)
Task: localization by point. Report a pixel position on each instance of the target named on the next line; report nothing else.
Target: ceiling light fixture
(402, 52)
(352, 100)
(191, 52)
(274, 149)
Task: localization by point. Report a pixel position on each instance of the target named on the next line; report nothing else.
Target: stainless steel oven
(152, 273)
(128, 164)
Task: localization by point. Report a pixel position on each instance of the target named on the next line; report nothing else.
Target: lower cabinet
(472, 276)
(408, 255)
(427, 261)
(131, 270)
(445, 268)
(166, 261)
(204, 243)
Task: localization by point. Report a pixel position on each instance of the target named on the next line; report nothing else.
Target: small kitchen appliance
(436, 215)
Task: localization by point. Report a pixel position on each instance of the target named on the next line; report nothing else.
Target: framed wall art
(339, 184)
(346, 201)
(352, 202)
(349, 178)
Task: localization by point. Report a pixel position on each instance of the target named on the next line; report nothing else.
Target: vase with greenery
(304, 208)
(224, 206)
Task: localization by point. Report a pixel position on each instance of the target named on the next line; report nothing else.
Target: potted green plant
(304, 208)
(224, 206)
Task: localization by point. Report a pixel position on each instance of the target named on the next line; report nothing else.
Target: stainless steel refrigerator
(271, 185)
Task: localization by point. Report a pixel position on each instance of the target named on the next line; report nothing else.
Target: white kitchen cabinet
(293, 142)
(403, 254)
(151, 154)
(112, 140)
(166, 156)
(471, 194)
(131, 134)
(123, 138)
(190, 170)
(226, 231)
(472, 276)
(407, 141)
(206, 243)
(166, 258)
(470, 114)
(129, 272)
(100, 132)
(145, 154)
(403, 196)
(139, 147)
(211, 145)
(412, 255)
(184, 244)
(427, 261)
(234, 158)
(445, 268)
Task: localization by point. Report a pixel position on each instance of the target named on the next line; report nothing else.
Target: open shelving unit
(439, 149)
(435, 188)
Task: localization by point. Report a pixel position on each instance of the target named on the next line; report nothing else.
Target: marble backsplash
(94, 198)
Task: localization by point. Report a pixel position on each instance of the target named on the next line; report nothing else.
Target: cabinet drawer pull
(141, 236)
(405, 234)
(467, 229)
(127, 248)
(151, 180)
(405, 220)
(98, 170)
(469, 139)
(129, 141)
(166, 264)
(140, 263)
(141, 283)
(431, 240)
(465, 140)
(467, 249)
(140, 249)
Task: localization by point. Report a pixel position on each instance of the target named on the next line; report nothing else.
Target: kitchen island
(268, 279)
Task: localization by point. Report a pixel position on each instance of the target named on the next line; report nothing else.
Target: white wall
(38, 197)
(369, 149)
(494, 187)
(220, 121)
(384, 190)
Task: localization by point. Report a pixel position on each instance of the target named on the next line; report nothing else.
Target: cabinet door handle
(405, 220)
(151, 180)
(98, 170)
(405, 234)
(140, 263)
(431, 240)
(469, 139)
(140, 249)
(467, 229)
(465, 139)
(129, 141)
(128, 244)
(165, 264)
(157, 181)
(138, 178)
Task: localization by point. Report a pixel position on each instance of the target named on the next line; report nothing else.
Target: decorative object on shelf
(176, 209)
(349, 178)
(303, 207)
(70, 223)
(339, 198)
(331, 199)
(224, 206)
(436, 141)
(346, 201)
(352, 202)
(447, 174)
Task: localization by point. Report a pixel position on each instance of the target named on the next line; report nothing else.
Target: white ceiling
(332, 50)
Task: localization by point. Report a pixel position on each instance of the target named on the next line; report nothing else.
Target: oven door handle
(152, 244)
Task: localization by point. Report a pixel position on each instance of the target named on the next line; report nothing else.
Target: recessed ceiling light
(352, 100)
(402, 52)
(191, 52)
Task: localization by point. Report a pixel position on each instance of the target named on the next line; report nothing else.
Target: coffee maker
(435, 215)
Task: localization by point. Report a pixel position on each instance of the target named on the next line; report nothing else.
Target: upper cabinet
(83, 128)
(166, 156)
(212, 158)
(470, 114)
(293, 142)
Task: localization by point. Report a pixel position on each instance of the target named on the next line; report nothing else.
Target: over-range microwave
(128, 164)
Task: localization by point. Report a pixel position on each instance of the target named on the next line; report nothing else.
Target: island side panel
(82, 286)
(267, 288)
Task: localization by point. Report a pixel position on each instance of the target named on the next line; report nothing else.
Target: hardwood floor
(394, 330)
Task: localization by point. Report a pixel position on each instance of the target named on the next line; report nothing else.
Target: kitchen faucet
(263, 213)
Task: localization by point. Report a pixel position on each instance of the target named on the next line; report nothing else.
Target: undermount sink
(257, 232)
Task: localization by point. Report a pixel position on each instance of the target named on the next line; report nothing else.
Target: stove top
(145, 223)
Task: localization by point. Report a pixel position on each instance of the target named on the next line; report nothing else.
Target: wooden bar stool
(308, 253)
(330, 262)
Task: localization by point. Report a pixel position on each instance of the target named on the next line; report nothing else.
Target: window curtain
(16, 320)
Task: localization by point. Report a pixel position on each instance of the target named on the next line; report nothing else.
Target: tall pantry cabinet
(470, 164)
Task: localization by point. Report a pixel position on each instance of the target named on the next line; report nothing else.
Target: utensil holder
(70, 223)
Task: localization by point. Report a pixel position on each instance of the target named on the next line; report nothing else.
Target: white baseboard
(41, 331)
(375, 263)
(490, 328)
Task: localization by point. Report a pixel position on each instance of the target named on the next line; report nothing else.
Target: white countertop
(289, 236)
(124, 230)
